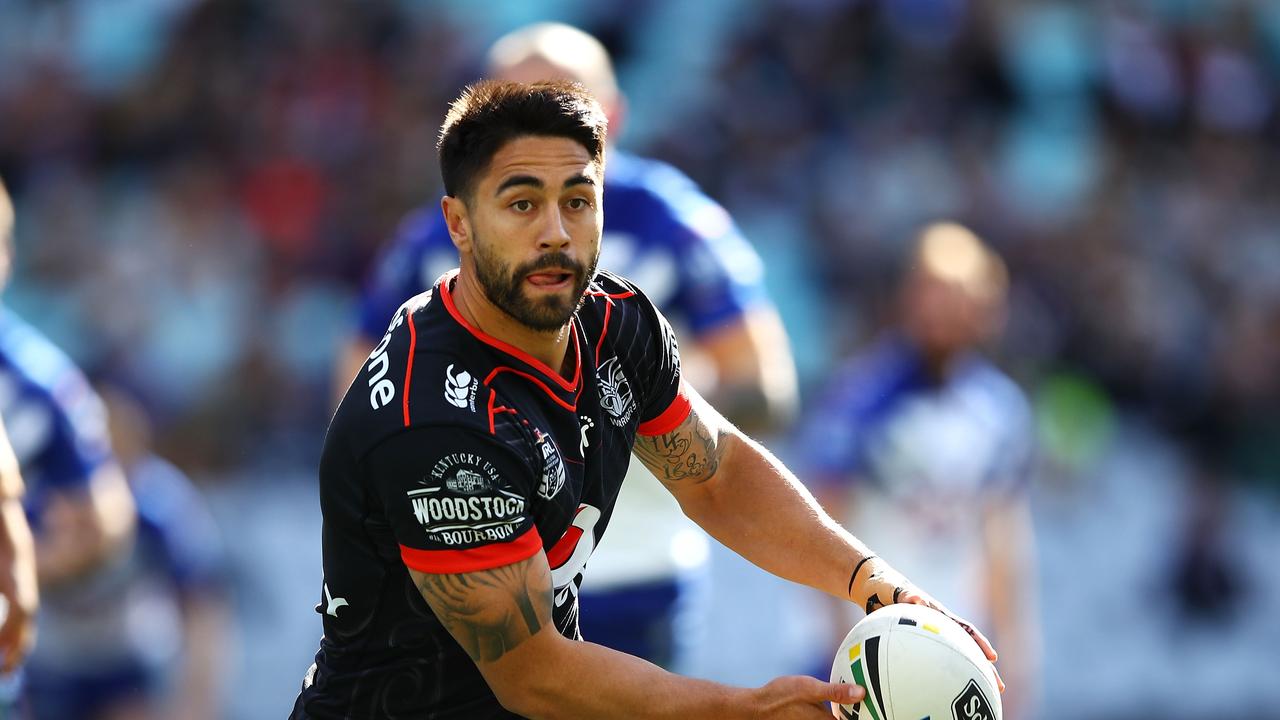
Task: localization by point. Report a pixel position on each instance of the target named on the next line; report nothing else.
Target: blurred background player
(175, 578)
(684, 250)
(19, 591)
(925, 447)
(81, 513)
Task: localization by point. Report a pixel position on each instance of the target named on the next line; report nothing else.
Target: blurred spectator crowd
(201, 185)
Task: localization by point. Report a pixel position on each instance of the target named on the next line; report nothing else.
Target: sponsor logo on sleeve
(381, 390)
(615, 392)
(552, 466)
(466, 502)
(460, 388)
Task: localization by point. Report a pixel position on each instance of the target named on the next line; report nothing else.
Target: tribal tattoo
(490, 612)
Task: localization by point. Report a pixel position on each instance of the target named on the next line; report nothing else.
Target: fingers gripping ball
(915, 662)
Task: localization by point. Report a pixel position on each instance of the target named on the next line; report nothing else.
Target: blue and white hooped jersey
(660, 231)
(932, 455)
(56, 422)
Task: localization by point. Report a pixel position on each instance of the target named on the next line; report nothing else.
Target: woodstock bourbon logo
(615, 392)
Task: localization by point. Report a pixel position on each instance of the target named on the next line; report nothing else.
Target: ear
(456, 219)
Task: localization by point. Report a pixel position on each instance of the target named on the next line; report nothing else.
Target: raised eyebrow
(579, 180)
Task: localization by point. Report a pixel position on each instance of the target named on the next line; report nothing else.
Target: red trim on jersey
(484, 557)
(564, 547)
(612, 296)
(533, 379)
(408, 368)
(495, 409)
(608, 309)
(670, 418)
(508, 348)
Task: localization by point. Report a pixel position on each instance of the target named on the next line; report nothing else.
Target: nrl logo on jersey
(460, 388)
(615, 392)
(552, 466)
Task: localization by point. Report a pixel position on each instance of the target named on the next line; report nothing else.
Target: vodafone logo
(381, 390)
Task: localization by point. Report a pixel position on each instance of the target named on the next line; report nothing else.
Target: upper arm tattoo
(490, 612)
(689, 454)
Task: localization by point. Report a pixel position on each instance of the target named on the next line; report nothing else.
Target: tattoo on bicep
(690, 452)
(490, 612)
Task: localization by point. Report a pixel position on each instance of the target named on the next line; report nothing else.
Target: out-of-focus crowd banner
(200, 188)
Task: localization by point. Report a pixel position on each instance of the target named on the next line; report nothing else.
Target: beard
(504, 287)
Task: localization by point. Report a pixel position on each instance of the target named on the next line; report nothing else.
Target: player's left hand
(880, 585)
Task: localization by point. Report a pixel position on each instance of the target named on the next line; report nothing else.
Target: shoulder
(32, 359)
(611, 298)
(1004, 397)
(423, 370)
(664, 195)
(421, 234)
(47, 402)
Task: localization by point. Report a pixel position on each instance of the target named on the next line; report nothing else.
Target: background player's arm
(755, 378)
(19, 592)
(81, 528)
(502, 618)
(745, 498)
(1009, 551)
(351, 359)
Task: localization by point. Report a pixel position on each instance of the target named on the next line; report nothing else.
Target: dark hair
(489, 114)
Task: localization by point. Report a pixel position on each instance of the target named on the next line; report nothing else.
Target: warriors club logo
(615, 392)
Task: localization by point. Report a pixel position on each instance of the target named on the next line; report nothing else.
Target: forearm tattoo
(691, 452)
(490, 612)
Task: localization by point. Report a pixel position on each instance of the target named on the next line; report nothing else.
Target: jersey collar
(568, 387)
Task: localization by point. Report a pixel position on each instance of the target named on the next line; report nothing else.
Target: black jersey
(456, 452)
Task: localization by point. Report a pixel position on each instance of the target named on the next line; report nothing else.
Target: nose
(554, 235)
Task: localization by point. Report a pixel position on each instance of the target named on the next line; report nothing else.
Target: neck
(550, 347)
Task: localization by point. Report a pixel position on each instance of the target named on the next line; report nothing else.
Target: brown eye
(522, 206)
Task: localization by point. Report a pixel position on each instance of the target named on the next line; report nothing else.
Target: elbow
(527, 698)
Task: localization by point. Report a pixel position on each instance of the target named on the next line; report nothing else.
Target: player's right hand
(799, 697)
(881, 585)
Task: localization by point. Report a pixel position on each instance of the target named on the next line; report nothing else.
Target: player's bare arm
(502, 618)
(490, 612)
(747, 499)
(755, 374)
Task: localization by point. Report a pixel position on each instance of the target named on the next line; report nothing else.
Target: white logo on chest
(615, 392)
(460, 388)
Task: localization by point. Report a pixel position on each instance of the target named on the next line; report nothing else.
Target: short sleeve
(78, 441)
(173, 511)
(720, 274)
(402, 269)
(666, 402)
(457, 500)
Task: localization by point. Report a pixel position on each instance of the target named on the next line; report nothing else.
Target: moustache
(551, 260)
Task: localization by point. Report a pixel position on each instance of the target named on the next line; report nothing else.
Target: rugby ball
(915, 664)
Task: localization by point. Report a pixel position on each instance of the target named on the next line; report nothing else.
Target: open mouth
(550, 279)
